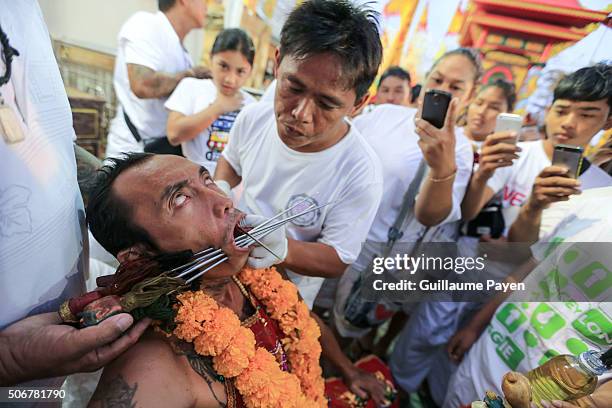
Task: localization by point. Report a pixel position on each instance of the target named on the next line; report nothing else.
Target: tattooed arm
(149, 84)
(151, 374)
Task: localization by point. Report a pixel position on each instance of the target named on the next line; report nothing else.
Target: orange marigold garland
(216, 331)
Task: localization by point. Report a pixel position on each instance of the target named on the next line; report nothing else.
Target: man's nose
(304, 110)
(221, 204)
(569, 122)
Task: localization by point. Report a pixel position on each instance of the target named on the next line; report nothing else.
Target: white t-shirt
(276, 177)
(390, 130)
(146, 39)
(191, 96)
(41, 211)
(268, 95)
(515, 182)
(523, 335)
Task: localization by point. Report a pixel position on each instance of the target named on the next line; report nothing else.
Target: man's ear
(277, 61)
(360, 103)
(608, 124)
(134, 252)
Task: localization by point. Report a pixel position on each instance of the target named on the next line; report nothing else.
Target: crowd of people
(192, 158)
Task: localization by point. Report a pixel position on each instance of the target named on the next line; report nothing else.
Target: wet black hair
(108, 216)
(395, 71)
(507, 88)
(472, 54)
(592, 83)
(165, 5)
(338, 27)
(234, 39)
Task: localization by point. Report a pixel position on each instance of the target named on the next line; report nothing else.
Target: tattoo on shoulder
(116, 393)
(204, 367)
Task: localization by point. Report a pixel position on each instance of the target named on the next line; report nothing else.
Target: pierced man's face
(576, 122)
(179, 205)
(311, 102)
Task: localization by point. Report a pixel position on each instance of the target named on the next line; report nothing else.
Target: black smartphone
(569, 157)
(435, 105)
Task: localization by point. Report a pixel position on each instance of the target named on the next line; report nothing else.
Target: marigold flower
(218, 332)
(237, 355)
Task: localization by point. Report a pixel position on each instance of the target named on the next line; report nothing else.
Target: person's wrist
(348, 370)
(482, 175)
(442, 174)
(532, 208)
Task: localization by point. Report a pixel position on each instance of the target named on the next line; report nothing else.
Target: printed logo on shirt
(513, 197)
(219, 135)
(303, 202)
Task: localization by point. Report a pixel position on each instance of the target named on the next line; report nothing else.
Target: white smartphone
(509, 121)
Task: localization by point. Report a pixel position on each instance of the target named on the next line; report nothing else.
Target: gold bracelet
(443, 179)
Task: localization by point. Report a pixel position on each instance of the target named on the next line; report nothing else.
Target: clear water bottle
(566, 377)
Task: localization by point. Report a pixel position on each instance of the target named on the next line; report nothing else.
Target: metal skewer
(244, 240)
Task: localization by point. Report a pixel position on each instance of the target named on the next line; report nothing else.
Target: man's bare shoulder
(151, 373)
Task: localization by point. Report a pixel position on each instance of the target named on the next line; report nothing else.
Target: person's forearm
(185, 128)
(331, 349)
(148, 84)
(435, 201)
(313, 259)
(474, 198)
(226, 172)
(526, 227)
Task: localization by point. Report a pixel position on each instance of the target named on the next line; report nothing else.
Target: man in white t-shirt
(575, 266)
(151, 61)
(42, 222)
(301, 149)
(582, 107)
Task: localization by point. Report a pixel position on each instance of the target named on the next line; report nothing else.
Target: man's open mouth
(238, 230)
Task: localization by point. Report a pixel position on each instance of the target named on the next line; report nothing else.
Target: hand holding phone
(559, 181)
(498, 150)
(435, 127)
(509, 122)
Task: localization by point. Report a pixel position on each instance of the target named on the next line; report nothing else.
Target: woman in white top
(202, 111)
(491, 100)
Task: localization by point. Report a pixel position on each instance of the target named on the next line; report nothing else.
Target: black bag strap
(131, 126)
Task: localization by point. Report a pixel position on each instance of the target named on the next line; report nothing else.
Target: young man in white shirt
(42, 221)
(301, 149)
(151, 61)
(581, 108)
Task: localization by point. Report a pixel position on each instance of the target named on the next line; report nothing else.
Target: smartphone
(569, 157)
(435, 105)
(509, 122)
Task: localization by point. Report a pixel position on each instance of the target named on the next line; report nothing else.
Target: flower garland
(216, 331)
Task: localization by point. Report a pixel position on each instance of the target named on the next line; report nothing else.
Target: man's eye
(179, 200)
